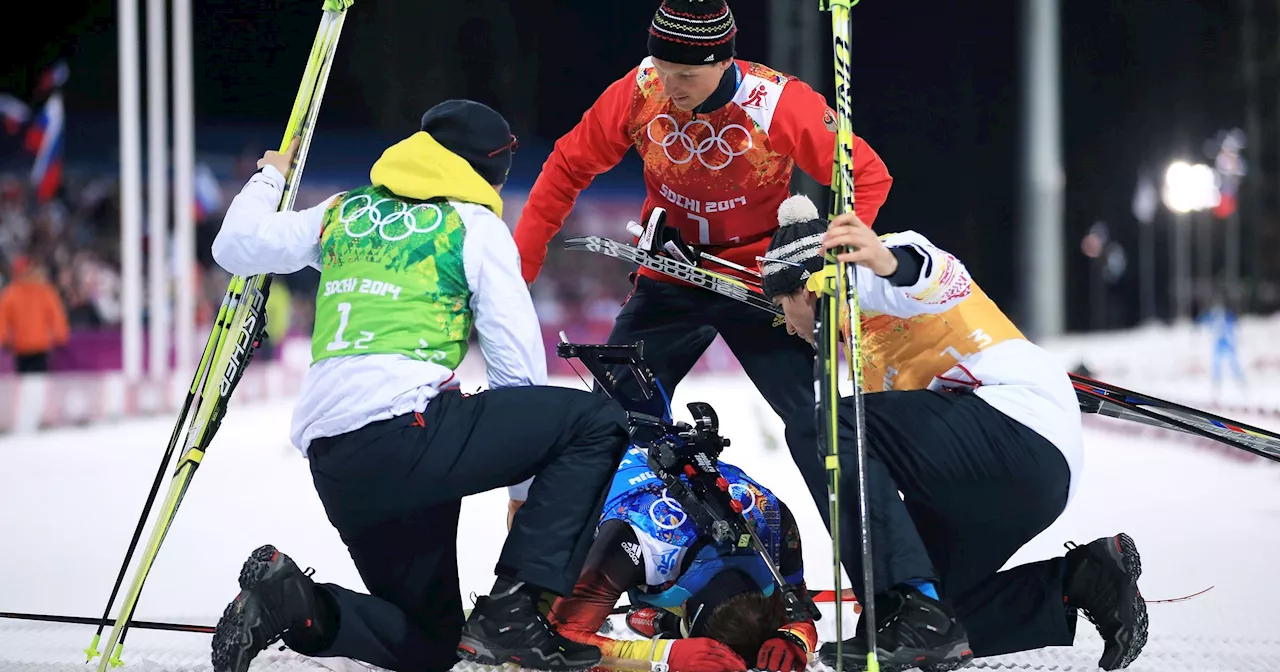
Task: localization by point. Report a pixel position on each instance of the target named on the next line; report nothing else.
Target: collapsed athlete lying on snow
(701, 610)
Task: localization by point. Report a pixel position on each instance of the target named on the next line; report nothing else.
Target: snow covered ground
(1177, 362)
(71, 499)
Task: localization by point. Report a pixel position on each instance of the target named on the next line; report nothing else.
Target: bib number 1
(704, 229)
(344, 317)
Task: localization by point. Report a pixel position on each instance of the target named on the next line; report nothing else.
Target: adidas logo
(633, 551)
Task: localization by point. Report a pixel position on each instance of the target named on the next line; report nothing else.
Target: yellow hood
(420, 168)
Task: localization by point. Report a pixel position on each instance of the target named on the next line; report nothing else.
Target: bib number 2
(344, 317)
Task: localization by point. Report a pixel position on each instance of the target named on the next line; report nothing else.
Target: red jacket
(720, 176)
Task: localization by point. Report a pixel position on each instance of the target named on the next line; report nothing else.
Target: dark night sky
(936, 88)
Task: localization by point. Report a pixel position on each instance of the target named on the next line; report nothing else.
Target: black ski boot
(1102, 582)
(511, 629)
(275, 597)
(913, 631)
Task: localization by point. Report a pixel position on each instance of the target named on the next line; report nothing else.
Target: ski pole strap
(823, 282)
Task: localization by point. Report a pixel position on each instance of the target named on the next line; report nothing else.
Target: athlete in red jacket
(719, 142)
(719, 138)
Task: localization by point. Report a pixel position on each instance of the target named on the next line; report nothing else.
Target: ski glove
(789, 650)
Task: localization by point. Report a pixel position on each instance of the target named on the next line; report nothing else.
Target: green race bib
(392, 279)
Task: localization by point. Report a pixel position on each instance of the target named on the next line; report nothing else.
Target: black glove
(655, 237)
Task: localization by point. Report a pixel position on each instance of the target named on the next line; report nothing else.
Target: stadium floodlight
(1190, 187)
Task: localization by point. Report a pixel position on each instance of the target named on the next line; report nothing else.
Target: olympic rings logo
(401, 221)
(722, 142)
(674, 516)
(737, 491)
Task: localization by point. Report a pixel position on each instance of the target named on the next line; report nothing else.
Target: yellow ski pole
(234, 343)
(840, 291)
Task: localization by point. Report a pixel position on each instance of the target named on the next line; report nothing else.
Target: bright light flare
(1190, 187)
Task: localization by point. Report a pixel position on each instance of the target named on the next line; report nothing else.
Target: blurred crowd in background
(71, 242)
(951, 139)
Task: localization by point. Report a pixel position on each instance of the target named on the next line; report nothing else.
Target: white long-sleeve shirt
(944, 332)
(341, 394)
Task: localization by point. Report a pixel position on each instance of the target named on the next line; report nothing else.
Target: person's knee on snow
(459, 276)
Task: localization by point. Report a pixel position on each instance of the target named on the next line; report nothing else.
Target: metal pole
(184, 226)
(1258, 259)
(782, 35)
(1042, 174)
(794, 48)
(1182, 266)
(157, 189)
(1248, 195)
(1145, 208)
(1172, 277)
(1147, 268)
(130, 191)
(1231, 262)
(1097, 292)
(1204, 222)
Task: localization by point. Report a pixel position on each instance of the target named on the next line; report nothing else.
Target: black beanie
(795, 253)
(692, 32)
(476, 133)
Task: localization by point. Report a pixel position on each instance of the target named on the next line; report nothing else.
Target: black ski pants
(677, 324)
(393, 490)
(32, 363)
(975, 487)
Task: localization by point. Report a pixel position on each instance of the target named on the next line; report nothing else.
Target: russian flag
(14, 113)
(1226, 206)
(52, 79)
(44, 139)
(208, 192)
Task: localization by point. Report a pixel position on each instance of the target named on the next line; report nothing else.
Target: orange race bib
(908, 353)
